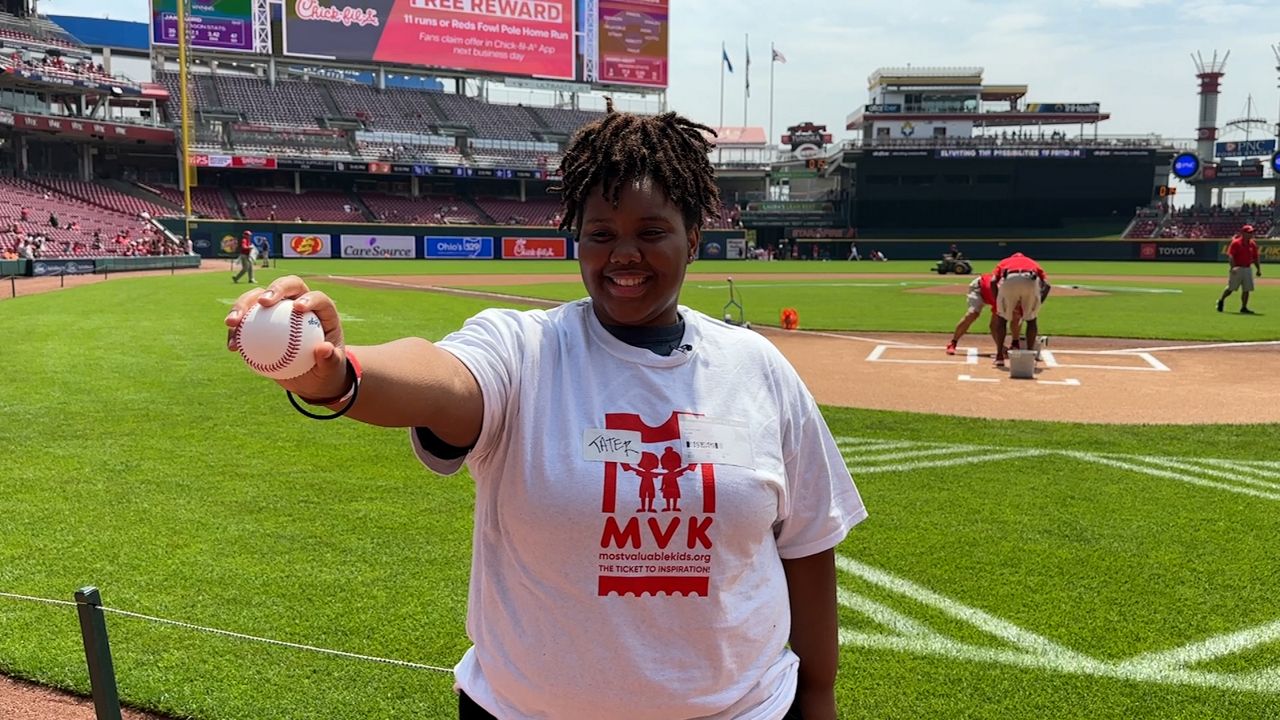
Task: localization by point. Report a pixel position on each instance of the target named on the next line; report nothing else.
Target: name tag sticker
(620, 446)
(715, 441)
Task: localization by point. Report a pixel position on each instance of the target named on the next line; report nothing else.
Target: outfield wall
(219, 238)
(90, 266)
(1154, 250)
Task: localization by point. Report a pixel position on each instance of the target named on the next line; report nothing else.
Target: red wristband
(355, 371)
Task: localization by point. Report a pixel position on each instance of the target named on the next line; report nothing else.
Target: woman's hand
(327, 380)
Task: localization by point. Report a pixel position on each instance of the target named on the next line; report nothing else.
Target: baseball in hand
(277, 342)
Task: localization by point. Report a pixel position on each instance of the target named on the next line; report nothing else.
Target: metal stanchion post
(97, 652)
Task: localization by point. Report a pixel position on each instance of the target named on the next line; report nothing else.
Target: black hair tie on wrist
(355, 392)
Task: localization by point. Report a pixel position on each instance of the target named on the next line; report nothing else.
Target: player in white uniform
(587, 600)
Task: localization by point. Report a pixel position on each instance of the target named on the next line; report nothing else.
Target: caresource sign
(534, 248)
(399, 247)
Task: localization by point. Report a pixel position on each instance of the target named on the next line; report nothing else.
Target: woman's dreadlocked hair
(622, 147)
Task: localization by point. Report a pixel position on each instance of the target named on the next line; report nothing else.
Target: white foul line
(854, 338)
(1168, 474)
(1176, 465)
(1154, 362)
(950, 462)
(1241, 466)
(1072, 382)
(984, 621)
(1211, 346)
(1214, 647)
(1049, 359)
(876, 353)
(948, 450)
(1267, 681)
(1169, 667)
(883, 614)
(970, 378)
(877, 446)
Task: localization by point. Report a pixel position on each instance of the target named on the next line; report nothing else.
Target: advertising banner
(1213, 172)
(1244, 148)
(1268, 252)
(211, 24)
(92, 129)
(253, 161)
(41, 268)
(513, 37)
(737, 249)
(229, 245)
(262, 240)
(1167, 250)
(458, 248)
(534, 248)
(1064, 108)
(712, 249)
(202, 244)
(633, 42)
(398, 247)
(308, 245)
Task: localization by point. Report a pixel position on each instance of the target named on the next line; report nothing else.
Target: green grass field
(1129, 309)
(1090, 572)
(725, 267)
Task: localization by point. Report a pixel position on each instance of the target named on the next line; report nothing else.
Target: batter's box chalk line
(1018, 647)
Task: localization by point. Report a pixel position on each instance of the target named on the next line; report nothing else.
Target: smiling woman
(636, 191)
(587, 599)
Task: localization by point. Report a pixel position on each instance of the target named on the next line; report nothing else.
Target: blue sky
(1133, 56)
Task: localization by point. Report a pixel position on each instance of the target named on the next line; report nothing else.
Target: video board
(530, 38)
(212, 24)
(633, 42)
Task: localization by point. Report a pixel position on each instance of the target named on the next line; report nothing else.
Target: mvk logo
(664, 549)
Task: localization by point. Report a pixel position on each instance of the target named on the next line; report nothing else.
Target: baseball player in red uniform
(245, 258)
(1021, 285)
(1243, 252)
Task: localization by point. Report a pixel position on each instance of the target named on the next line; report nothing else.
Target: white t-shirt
(582, 605)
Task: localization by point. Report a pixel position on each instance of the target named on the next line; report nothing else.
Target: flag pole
(746, 76)
(723, 54)
(772, 62)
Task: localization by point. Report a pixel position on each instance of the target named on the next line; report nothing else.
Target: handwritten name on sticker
(620, 446)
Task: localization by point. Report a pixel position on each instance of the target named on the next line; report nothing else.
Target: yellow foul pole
(188, 172)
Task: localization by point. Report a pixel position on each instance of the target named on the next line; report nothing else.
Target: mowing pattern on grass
(1016, 646)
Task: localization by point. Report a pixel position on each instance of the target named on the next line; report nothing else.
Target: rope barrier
(238, 636)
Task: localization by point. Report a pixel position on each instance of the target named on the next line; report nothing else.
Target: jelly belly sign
(534, 248)
(511, 37)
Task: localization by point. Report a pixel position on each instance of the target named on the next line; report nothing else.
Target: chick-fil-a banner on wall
(534, 248)
(512, 37)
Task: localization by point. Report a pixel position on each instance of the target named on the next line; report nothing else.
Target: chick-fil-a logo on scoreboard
(534, 248)
(347, 16)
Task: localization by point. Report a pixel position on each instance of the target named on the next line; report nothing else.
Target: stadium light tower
(1210, 75)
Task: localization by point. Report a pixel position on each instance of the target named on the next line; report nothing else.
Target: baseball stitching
(290, 352)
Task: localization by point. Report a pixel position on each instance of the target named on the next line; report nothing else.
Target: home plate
(1069, 381)
(970, 378)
